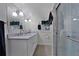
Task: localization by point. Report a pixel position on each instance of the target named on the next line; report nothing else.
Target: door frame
(55, 29)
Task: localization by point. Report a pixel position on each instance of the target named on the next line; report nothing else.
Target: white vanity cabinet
(22, 47)
(17, 47)
(32, 43)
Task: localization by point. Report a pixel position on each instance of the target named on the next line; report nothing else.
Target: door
(68, 30)
(2, 39)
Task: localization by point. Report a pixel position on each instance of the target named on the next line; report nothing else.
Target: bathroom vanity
(22, 45)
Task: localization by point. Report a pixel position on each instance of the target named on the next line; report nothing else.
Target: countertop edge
(15, 38)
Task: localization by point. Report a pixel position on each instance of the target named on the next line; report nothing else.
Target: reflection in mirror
(14, 21)
(17, 17)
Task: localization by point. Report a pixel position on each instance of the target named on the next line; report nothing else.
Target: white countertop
(22, 37)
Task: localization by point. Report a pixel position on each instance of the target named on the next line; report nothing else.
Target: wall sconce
(21, 13)
(14, 14)
(29, 20)
(25, 20)
(17, 13)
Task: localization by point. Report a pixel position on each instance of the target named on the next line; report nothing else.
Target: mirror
(15, 19)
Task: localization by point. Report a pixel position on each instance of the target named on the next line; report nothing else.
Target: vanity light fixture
(14, 14)
(25, 20)
(29, 20)
(74, 19)
(21, 13)
(17, 13)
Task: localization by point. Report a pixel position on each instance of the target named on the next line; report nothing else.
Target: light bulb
(29, 20)
(21, 13)
(14, 14)
(25, 20)
(74, 19)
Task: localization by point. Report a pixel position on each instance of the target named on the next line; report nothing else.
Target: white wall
(46, 36)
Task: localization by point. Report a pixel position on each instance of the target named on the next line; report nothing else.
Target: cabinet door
(17, 47)
(32, 43)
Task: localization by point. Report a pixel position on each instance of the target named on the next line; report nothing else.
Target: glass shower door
(68, 30)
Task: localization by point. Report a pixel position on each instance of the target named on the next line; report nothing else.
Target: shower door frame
(55, 30)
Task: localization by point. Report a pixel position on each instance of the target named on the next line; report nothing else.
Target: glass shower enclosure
(68, 29)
